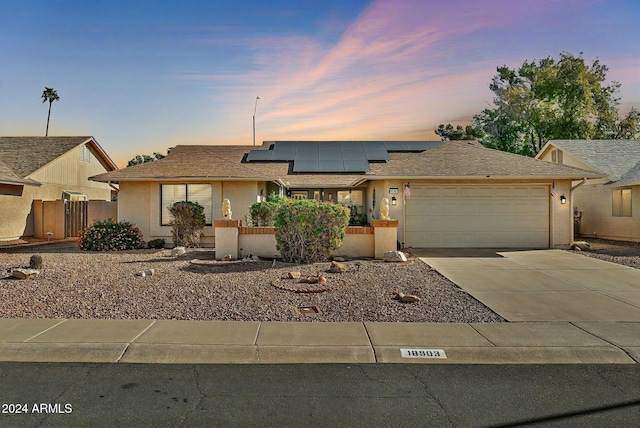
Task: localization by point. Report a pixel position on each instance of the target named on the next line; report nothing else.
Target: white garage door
(477, 216)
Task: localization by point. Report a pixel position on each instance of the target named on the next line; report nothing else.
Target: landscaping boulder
(337, 267)
(580, 245)
(21, 273)
(35, 262)
(178, 251)
(293, 275)
(394, 256)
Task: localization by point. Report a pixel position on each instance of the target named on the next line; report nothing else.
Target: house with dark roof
(443, 194)
(604, 207)
(47, 168)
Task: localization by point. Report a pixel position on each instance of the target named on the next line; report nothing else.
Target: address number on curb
(423, 353)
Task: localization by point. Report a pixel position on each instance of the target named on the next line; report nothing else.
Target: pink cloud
(398, 69)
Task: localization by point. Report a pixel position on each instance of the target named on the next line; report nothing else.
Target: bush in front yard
(107, 235)
(262, 213)
(156, 243)
(308, 231)
(187, 224)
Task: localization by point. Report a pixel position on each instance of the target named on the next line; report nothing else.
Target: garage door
(477, 216)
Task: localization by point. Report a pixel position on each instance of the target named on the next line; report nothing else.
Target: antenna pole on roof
(254, 121)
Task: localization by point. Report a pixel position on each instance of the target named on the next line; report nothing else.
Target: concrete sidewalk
(217, 342)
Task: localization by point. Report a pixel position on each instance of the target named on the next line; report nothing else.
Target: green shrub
(308, 231)
(262, 213)
(187, 224)
(359, 220)
(156, 243)
(107, 235)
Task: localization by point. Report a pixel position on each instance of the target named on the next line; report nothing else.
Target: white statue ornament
(384, 209)
(226, 209)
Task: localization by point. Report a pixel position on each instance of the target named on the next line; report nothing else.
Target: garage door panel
(478, 216)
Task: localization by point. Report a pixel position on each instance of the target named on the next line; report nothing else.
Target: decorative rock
(580, 245)
(339, 259)
(21, 273)
(149, 272)
(227, 258)
(141, 273)
(293, 275)
(314, 280)
(337, 267)
(35, 262)
(394, 256)
(178, 251)
(405, 298)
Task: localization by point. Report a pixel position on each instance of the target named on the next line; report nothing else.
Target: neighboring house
(46, 168)
(444, 194)
(606, 205)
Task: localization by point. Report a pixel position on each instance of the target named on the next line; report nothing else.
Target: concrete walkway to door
(542, 285)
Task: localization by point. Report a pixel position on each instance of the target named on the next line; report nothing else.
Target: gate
(75, 217)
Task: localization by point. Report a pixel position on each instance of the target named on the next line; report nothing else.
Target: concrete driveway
(542, 285)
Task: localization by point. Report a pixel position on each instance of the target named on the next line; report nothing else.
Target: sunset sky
(141, 76)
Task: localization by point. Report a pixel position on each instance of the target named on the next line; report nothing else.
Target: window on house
(622, 202)
(556, 156)
(84, 154)
(352, 198)
(172, 193)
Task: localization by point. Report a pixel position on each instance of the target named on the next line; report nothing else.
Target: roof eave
(178, 179)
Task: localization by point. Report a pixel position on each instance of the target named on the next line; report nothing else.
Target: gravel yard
(78, 284)
(620, 252)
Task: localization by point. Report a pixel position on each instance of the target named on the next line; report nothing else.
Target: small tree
(187, 224)
(308, 231)
(263, 213)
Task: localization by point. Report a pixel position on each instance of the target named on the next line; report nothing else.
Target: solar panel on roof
(330, 155)
(376, 155)
(351, 145)
(353, 155)
(356, 166)
(284, 145)
(416, 146)
(259, 155)
(395, 146)
(330, 166)
(330, 145)
(373, 145)
(305, 166)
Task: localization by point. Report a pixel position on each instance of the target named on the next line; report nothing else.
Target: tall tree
(448, 132)
(49, 94)
(550, 99)
(140, 159)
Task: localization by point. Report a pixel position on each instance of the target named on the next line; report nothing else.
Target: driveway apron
(542, 285)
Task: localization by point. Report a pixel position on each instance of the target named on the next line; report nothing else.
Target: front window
(172, 193)
(353, 199)
(622, 202)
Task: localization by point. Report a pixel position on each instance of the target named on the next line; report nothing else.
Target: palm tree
(49, 94)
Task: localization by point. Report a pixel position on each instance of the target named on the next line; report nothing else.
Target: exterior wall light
(394, 200)
(563, 200)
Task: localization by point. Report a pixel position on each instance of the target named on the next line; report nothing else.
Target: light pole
(254, 121)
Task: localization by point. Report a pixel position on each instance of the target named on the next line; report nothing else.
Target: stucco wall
(561, 216)
(16, 215)
(595, 202)
(264, 244)
(139, 202)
